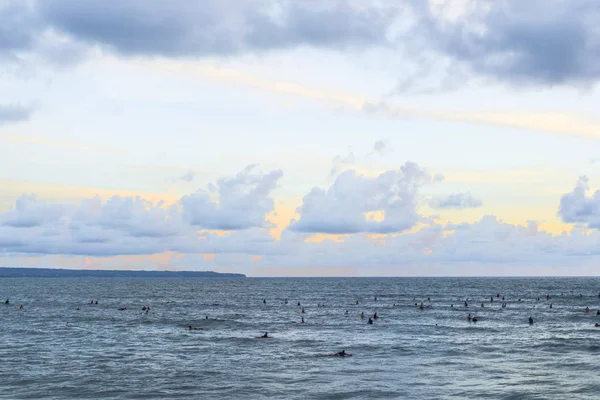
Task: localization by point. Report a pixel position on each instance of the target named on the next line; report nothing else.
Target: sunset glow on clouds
(301, 138)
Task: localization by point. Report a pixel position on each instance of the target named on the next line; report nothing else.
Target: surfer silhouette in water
(194, 329)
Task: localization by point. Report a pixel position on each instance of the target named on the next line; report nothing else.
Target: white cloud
(243, 201)
(341, 209)
(133, 226)
(577, 207)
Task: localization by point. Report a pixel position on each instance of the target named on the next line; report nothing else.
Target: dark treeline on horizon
(9, 272)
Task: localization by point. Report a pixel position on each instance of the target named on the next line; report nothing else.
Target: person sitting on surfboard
(266, 335)
(341, 353)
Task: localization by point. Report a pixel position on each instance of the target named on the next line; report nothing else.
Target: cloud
(18, 29)
(456, 200)
(213, 27)
(515, 41)
(380, 146)
(510, 41)
(127, 226)
(133, 225)
(187, 177)
(13, 113)
(344, 207)
(243, 201)
(577, 208)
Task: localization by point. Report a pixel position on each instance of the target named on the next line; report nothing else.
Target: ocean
(407, 353)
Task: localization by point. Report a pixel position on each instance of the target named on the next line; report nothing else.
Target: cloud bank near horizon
(229, 221)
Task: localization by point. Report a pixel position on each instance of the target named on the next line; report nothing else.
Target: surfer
(341, 353)
(530, 320)
(264, 301)
(302, 321)
(266, 335)
(370, 321)
(375, 316)
(6, 302)
(194, 329)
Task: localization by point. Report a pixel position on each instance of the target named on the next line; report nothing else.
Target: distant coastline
(10, 272)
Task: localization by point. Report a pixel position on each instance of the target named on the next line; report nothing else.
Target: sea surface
(408, 353)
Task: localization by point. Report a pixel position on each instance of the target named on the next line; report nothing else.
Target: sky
(301, 138)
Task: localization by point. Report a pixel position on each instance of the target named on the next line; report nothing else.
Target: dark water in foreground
(111, 354)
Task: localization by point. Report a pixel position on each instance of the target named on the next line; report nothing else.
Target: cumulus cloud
(133, 225)
(344, 207)
(243, 201)
(456, 200)
(13, 113)
(123, 226)
(577, 208)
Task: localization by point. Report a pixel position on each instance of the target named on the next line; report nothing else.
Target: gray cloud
(214, 27)
(520, 42)
(511, 41)
(19, 27)
(456, 200)
(12, 113)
